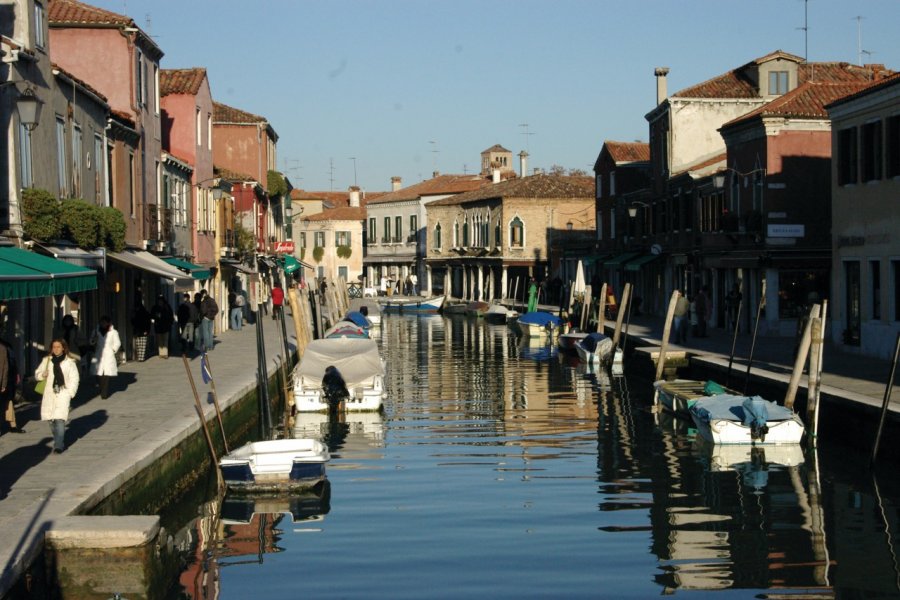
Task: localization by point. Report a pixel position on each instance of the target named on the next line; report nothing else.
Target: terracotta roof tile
(181, 81)
(702, 164)
(807, 100)
(231, 175)
(496, 148)
(72, 12)
(628, 152)
(535, 186)
(222, 113)
(124, 117)
(738, 83)
(436, 186)
(871, 88)
(78, 81)
(344, 213)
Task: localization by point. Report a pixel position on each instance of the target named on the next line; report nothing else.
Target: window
(612, 224)
(398, 229)
(895, 271)
(711, 210)
(892, 146)
(413, 227)
(516, 233)
(778, 83)
(599, 225)
(132, 177)
(372, 237)
(871, 151)
(875, 280)
(97, 164)
(456, 234)
(139, 78)
(465, 238)
(498, 241)
(343, 273)
(847, 156)
(598, 185)
(342, 238)
(39, 39)
(62, 172)
(197, 125)
(77, 163)
(612, 183)
(319, 239)
(387, 231)
(26, 175)
(156, 89)
(436, 244)
(797, 287)
(303, 239)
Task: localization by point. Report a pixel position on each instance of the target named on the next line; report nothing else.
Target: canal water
(502, 469)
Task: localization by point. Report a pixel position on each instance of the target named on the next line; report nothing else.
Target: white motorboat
(359, 365)
(412, 304)
(731, 419)
(369, 307)
(538, 324)
(595, 348)
(275, 465)
(679, 395)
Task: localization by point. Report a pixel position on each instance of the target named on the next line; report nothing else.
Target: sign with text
(786, 230)
(284, 247)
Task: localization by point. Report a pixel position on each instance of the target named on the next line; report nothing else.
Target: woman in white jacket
(104, 363)
(61, 374)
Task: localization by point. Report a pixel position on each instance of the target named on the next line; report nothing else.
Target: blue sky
(412, 86)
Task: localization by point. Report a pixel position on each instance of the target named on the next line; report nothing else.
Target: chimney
(354, 196)
(435, 173)
(496, 175)
(523, 164)
(396, 183)
(661, 92)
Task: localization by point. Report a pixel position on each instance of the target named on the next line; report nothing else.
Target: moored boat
(566, 341)
(358, 364)
(368, 307)
(477, 308)
(539, 324)
(406, 304)
(275, 465)
(731, 419)
(595, 348)
(679, 395)
(347, 329)
(496, 313)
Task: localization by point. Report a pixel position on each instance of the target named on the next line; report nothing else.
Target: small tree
(276, 184)
(244, 240)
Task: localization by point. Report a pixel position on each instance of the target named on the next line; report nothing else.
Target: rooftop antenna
(465, 169)
(331, 172)
(859, 48)
(434, 152)
(526, 133)
(805, 30)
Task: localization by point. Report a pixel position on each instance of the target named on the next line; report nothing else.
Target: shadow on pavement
(80, 427)
(19, 461)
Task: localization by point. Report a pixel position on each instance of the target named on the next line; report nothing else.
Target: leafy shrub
(112, 228)
(344, 251)
(81, 223)
(41, 215)
(318, 253)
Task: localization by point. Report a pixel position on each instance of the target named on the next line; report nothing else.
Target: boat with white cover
(731, 419)
(275, 465)
(359, 364)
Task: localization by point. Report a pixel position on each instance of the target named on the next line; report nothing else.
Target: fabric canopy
(140, 259)
(637, 263)
(196, 271)
(238, 266)
(75, 255)
(617, 261)
(356, 359)
(25, 274)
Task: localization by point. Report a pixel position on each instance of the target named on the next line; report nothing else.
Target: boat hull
(719, 420)
(413, 305)
(275, 465)
(600, 353)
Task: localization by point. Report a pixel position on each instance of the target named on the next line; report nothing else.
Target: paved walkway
(844, 375)
(150, 411)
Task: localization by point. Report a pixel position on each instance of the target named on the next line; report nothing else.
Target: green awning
(595, 259)
(196, 271)
(616, 261)
(636, 264)
(291, 264)
(25, 274)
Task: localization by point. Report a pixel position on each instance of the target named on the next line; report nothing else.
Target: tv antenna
(805, 30)
(859, 48)
(434, 153)
(526, 133)
(353, 158)
(331, 172)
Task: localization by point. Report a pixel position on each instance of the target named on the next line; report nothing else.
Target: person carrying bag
(59, 375)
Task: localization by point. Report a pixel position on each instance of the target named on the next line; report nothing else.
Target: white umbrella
(578, 286)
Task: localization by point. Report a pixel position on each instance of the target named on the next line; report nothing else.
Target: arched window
(437, 237)
(456, 234)
(516, 233)
(465, 240)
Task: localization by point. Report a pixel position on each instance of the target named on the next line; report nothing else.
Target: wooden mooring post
(802, 352)
(624, 305)
(601, 309)
(887, 400)
(664, 342)
(209, 442)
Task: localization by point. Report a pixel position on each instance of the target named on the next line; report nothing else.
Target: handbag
(40, 385)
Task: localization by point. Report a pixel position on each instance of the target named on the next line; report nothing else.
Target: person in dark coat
(141, 322)
(335, 389)
(163, 319)
(188, 315)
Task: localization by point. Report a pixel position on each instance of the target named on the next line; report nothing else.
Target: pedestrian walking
(209, 310)
(235, 309)
(414, 284)
(163, 319)
(277, 300)
(9, 383)
(732, 302)
(141, 321)
(60, 374)
(104, 363)
(682, 308)
(703, 311)
(188, 315)
(74, 340)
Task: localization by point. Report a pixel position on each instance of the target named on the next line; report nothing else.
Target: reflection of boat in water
(350, 434)
(359, 364)
(275, 465)
(307, 505)
(537, 348)
(753, 462)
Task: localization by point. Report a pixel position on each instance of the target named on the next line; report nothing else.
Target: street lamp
(719, 177)
(29, 107)
(633, 207)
